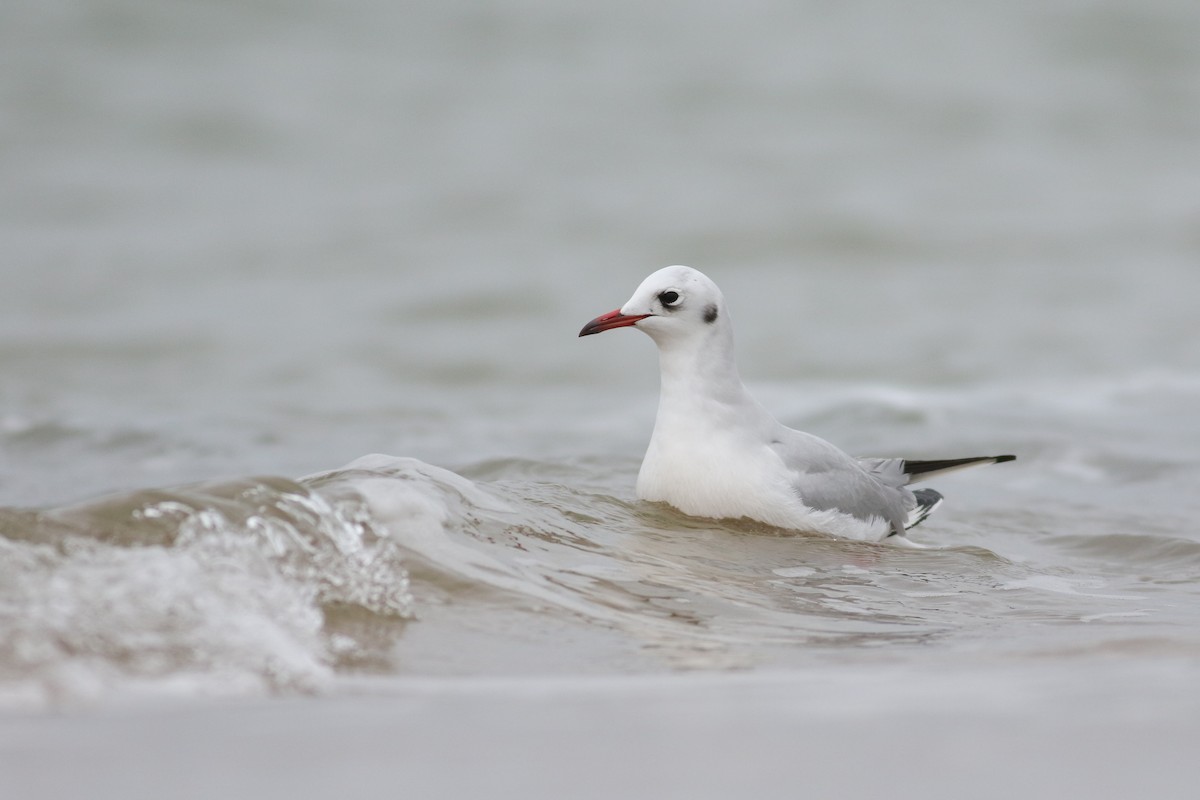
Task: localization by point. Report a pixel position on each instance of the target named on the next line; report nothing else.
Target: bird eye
(669, 298)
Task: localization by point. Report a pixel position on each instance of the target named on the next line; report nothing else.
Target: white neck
(700, 382)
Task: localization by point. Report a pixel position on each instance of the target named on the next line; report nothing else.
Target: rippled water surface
(242, 246)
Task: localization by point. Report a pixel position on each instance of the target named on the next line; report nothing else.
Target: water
(244, 245)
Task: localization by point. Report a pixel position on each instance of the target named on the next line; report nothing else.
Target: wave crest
(225, 587)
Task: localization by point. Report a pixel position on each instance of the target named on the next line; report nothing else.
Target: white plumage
(716, 452)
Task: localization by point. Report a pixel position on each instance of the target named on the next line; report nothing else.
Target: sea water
(299, 451)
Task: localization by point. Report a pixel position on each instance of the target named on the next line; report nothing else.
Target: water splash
(225, 587)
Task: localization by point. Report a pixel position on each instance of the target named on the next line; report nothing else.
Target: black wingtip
(927, 502)
(919, 468)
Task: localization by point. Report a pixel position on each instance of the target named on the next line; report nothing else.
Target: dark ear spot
(710, 314)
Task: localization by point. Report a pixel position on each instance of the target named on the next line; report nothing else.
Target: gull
(717, 453)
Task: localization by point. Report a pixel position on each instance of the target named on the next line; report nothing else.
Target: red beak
(613, 319)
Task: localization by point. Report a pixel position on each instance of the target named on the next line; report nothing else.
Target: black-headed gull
(716, 452)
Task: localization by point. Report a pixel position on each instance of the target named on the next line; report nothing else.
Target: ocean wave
(223, 587)
(385, 565)
(1165, 557)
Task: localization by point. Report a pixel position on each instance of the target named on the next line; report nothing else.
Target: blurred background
(269, 236)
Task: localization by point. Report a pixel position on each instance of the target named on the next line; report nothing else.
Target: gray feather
(827, 479)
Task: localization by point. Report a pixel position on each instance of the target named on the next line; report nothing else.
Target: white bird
(716, 452)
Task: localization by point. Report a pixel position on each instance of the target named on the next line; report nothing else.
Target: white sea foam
(214, 590)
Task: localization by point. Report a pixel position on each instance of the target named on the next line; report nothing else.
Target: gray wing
(828, 479)
(888, 471)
